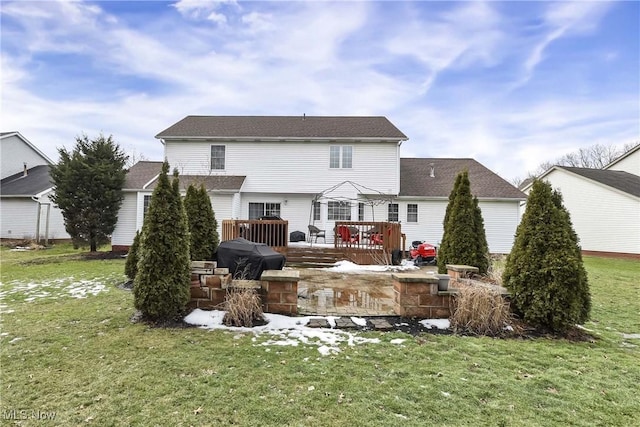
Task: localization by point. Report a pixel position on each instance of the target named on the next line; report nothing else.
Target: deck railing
(274, 233)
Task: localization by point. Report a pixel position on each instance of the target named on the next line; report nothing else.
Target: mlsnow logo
(27, 414)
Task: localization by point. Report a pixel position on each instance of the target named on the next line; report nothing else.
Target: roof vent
(304, 116)
(432, 173)
(24, 169)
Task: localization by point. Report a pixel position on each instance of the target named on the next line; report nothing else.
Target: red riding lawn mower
(422, 253)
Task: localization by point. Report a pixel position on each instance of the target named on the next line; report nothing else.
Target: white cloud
(430, 73)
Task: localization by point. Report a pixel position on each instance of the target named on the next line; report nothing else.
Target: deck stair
(313, 257)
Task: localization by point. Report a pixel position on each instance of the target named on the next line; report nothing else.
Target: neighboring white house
(604, 203)
(316, 170)
(26, 210)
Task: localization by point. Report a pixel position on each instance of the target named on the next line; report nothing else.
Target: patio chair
(315, 231)
(348, 234)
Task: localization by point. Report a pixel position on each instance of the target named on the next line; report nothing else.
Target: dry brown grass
(243, 308)
(480, 310)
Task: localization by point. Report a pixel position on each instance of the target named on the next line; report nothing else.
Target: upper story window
(393, 212)
(339, 211)
(340, 156)
(412, 212)
(217, 157)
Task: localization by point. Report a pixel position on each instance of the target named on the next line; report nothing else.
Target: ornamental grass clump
(243, 308)
(480, 310)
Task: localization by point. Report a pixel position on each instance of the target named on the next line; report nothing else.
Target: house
(316, 170)
(604, 204)
(26, 210)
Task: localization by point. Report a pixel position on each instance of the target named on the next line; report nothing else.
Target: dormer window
(217, 157)
(340, 156)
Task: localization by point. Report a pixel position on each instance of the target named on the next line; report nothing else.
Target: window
(145, 205)
(258, 210)
(339, 211)
(360, 211)
(316, 211)
(272, 209)
(334, 157)
(217, 157)
(340, 156)
(412, 212)
(393, 212)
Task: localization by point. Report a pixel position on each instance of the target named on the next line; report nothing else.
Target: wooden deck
(361, 242)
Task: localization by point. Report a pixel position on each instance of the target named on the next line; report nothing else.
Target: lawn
(69, 350)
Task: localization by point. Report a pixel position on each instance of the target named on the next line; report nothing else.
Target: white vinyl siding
(289, 167)
(127, 224)
(18, 218)
(605, 219)
(15, 153)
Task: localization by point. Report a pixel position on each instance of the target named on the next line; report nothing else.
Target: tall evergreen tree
(131, 265)
(161, 286)
(482, 255)
(544, 271)
(464, 240)
(203, 226)
(88, 184)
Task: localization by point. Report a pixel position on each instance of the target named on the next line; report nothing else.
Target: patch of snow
(327, 351)
(16, 339)
(55, 288)
(631, 336)
(359, 321)
(435, 323)
(285, 331)
(445, 394)
(583, 328)
(397, 341)
(349, 267)
(404, 417)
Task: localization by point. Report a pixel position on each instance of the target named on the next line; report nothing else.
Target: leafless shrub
(496, 269)
(480, 310)
(243, 308)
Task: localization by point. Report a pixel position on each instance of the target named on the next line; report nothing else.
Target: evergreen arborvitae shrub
(161, 286)
(482, 259)
(544, 271)
(203, 226)
(464, 240)
(131, 266)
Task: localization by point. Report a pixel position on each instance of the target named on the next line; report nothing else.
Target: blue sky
(511, 84)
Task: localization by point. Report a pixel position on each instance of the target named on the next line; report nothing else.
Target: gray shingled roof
(36, 181)
(415, 179)
(211, 182)
(143, 172)
(283, 127)
(623, 181)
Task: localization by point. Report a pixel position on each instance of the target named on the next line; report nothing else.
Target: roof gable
(4, 135)
(619, 180)
(416, 179)
(634, 151)
(283, 127)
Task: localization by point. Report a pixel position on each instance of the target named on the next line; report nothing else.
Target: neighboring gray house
(604, 203)
(273, 165)
(26, 210)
